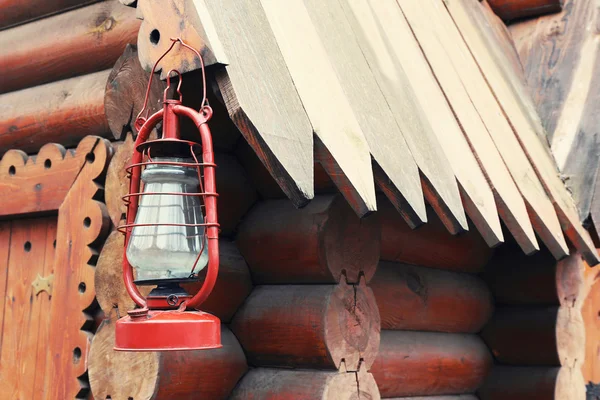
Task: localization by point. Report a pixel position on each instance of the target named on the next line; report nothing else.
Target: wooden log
(232, 287)
(93, 38)
(61, 112)
(457, 397)
(533, 383)
(425, 299)
(19, 12)
(321, 243)
(430, 245)
(517, 279)
(510, 10)
(283, 384)
(590, 312)
(312, 326)
(427, 363)
(181, 375)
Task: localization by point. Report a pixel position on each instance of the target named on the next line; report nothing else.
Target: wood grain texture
(376, 27)
(425, 299)
(309, 326)
(281, 384)
(125, 92)
(259, 93)
(25, 313)
(324, 242)
(438, 40)
(560, 56)
(525, 122)
(17, 12)
(37, 185)
(232, 287)
(168, 375)
(333, 120)
(430, 245)
(477, 197)
(63, 112)
(427, 364)
(590, 312)
(510, 10)
(82, 224)
(5, 232)
(532, 383)
(398, 175)
(92, 39)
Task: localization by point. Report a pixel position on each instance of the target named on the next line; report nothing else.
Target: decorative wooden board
(438, 41)
(524, 121)
(375, 26)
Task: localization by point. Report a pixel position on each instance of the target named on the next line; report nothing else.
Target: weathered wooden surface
(27, 254)
(92, 38)
(540, 209)
(19, 12)
(324, 242)
(438, 40)
(310, 326)
(180, 375)
(425, 299)
(62, 112)
(230, 291)
(39, 185)
(125, 91)
(335, 124)
(457, 397)
(560, 57)
(590, 312)
(397, 175)
(282, 384)
(430, 245)
(477, 197)
(510, 10)
(427, 363)
(513, 98)
(82, 224)
(259, 93)
(532, 383)
(376, 28)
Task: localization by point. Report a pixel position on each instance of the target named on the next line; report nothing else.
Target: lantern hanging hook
(139, 120)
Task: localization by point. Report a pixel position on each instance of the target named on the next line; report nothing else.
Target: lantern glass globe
(163, 251)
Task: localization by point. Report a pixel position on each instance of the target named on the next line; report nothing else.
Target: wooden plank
(18, 12)
(83, 222)
(331, 115)
(398, 175)
(562, 63)
(524, 121)
(540, 209)
(375, 25)
(476, 194)
(45, 300)
(444, 57)
(510, 10)
(60, 112)
(5, 231)
(39, 185)
(92, 38)
(23, 309)
(259, 93)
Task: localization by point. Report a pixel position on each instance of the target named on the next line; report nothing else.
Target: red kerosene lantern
(168, 237)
